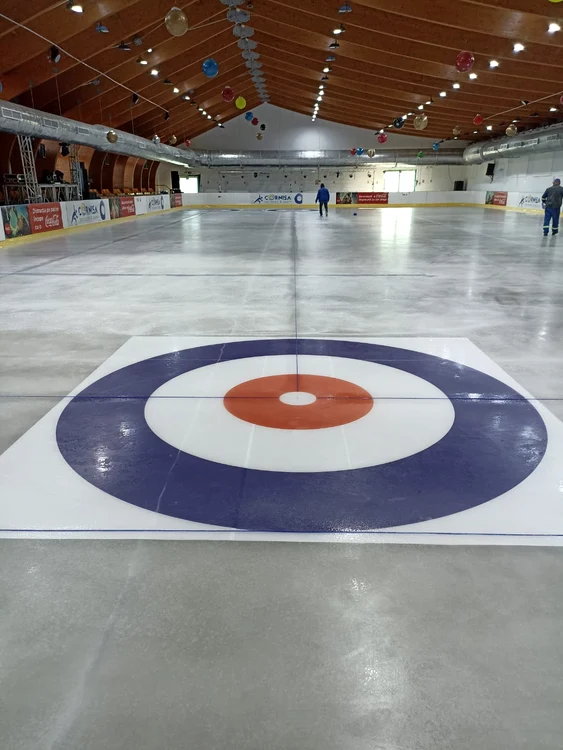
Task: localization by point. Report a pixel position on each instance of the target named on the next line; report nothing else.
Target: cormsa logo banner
(283, 198)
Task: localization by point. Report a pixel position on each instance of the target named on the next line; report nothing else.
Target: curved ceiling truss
(394, 57)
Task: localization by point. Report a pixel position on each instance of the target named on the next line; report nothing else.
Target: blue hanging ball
(436, 146)
(359, 151)
(210, 67)
(248, 116)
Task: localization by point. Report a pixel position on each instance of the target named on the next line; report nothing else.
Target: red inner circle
(258, 402)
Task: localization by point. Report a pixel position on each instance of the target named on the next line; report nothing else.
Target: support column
(32, 190)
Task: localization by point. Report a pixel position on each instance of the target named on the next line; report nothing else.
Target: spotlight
(518, 47)
(473, 76)
(345, 8)
(203, 112)
(319, 98)
(101, 29)
(339, 30)
(76, 7)
(54, 54)
(324, 78)
(135, 98)
(149, 50)
(330, 58)
(334, 44)
(154, 72)
(220, 125)
(420, 106)
(209, 117)
(553, 27)
(176, 90)
(553, 109)
(142, 61)
(494, 64)
(489, 127)
(327, 70)
(200, 109)
(431, 101)
(456, 86)
(185, 97)
(443, 94)
(124, 47)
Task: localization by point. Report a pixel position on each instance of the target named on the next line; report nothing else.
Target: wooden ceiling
(394, 56)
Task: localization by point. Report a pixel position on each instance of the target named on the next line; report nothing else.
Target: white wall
(532, 173)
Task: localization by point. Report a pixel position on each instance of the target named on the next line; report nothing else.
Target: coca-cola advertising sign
(352, 199)
(45, 217)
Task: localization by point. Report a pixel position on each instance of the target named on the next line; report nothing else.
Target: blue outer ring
(496, 441)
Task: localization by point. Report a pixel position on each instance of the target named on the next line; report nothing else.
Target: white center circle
(298, 398)
(409, 415)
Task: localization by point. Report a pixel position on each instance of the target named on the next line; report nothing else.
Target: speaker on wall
(175, 178)
(459, 185)
(491, 169)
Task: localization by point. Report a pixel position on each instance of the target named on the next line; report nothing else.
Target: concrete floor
(220, 645)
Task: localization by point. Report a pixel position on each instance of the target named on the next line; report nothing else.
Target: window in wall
(189, 184)
(400, 181)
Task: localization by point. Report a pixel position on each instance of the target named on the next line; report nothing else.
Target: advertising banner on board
(371, 199)
(530, 200)
(121, 206)
(146, 204)
(277, 199)
(177, 200)
(494, 198)
(78, 213)
(45, 217)
(15, 220)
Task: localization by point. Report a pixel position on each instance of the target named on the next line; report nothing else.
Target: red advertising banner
(176, 200)
(494, 198)
(45, 217)
(373, 198)
(127, 206)
(348, 199)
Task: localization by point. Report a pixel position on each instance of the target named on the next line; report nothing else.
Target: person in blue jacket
(551, 202)
(323, 197)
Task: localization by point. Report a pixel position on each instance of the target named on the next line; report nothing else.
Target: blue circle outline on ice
(497, 440)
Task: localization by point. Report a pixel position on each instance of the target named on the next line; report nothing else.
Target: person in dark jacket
(323, 197)
(551, 201)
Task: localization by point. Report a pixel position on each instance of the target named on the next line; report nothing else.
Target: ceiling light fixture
(149, 50)
(443, 94)
(473, 76)
(220, 125)
(142, 61)
(489, 127)
(431, 101)
(553, 27)
(326, 70)
(101, 29)
(135, 98)
(475, 131)
(76, 7)
(553, 109)
(319, 98)
(524, 102)
(518, 47)
(54, 54)
(456, 86)
(209, 117)
(330, 58)
(494, 64)
(124, 47)
(339, 30)
(334, 44)
(154, 72)
(176, 90)
(345, 8)
(324, 78)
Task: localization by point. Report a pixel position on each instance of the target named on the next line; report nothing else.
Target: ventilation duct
(536, 141)
(325, 158)
(25, 121)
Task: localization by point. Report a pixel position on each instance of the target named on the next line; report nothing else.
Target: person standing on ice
(323, 197)
(551, 201)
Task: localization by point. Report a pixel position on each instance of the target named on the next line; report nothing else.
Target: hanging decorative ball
(511, 130)
(478, 120)
(155, 140)
(436, 146)
(172, 140)
(420, 121)
(228, 94)
(176, 22)
(259, 136)
(240, 102)
(398, 123)
(382, 138)
(210, 67)
(263, 127)
(111, 135)
(420, 155)
(188, 143)
(464, 61)
(359, 151)
(371, 153)
(352, 152)
(254, 121)
(456, 130)
(248, 116)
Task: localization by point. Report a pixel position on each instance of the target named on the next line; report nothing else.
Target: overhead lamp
(154, 72)
(209, 117)
(149, 50)
(135, 98)
(553, 27)
(339, 30)
(475, 132)
(515, 120)
(334, 44)
(345, 8)
(473, 76)
(494, 64)
(142, 61)
(167, 82)
(321, 93)
(330, 58)
(518, 47)
(124, 47)
(404, 117)
(456, 86)
(176, 90)
(430, 101)
(185, 97)
(553, 109)
(443, 94)
(324, 78)
(203, 112)
(420, 106)
(220, 125)
(319, 98)
(489, 127)
(76, 7)
(326, 70)
(101, 29)
(200, 109)
(410, 114)
(524, 102)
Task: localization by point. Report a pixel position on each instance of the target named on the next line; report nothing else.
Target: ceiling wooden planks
(394, 56)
